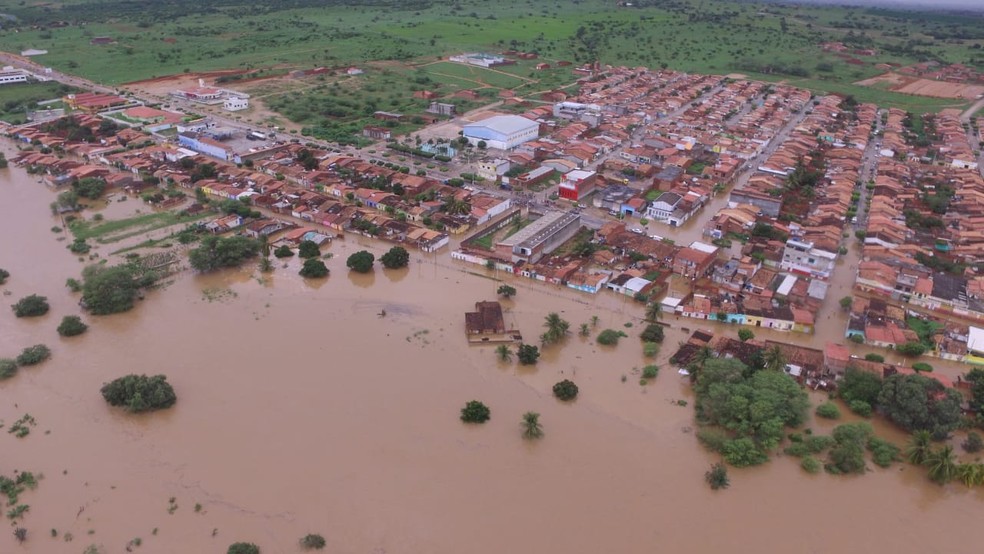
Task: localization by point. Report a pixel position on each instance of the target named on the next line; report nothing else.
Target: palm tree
(775, 359)
(454, 206)
(594, 321)
(971, 475)
(531, 426)
(918, 449)
(556, 328)
(504, 353)
(654, 312)
(585, 330)
(942, 465)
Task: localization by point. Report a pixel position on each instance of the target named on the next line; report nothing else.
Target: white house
(801, 257)
(235, 103)
(663, 207)
(12, 75)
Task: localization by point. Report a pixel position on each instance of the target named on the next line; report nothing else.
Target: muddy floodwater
(300, 409)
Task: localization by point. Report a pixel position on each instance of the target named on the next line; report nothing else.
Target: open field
(16, 99)
(110, 231)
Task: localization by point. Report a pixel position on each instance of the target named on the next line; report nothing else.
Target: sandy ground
(924, 87)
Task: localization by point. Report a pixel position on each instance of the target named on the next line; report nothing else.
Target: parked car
(637, 230)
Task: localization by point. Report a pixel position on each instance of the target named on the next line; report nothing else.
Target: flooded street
(301, 410)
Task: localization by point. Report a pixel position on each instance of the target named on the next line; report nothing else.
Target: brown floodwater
(301, 410)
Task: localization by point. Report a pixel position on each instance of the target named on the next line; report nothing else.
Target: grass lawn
(106, 232)
(475, 74)
(16, 99)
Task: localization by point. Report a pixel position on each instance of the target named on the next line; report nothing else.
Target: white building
(481, 60)
(801, 257)
(503, 132)
(663, 207)
(235, 103)
(493, 169)
(12, 75)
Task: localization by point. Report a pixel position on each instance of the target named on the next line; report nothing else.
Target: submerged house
(486, 324)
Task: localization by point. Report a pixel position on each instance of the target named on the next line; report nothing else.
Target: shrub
(216, 252)
(650, 349)
(31, 306)
(139, 393)
(811, 465)
(745, 335)
(8, 368)
(861, 408)
(712, 438)
(872, 357)
(4, 274)
(883, 453)
(856, 339)
(650, 372)
(33, 355)
(308, 249)
(717, 477)
(71, 325)
(313, 542)
(283, 251)
(361, 261)
(828, 411)
(743, 452)
(475, 412)
(243, 548)
(395, 258)
(565, 390)
(972, 445)
(922, 367)
(609, 337)
(314, 269)
(506, 291)
(652, 333)
(911, 349)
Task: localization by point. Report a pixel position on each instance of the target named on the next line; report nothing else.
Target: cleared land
(19, 98)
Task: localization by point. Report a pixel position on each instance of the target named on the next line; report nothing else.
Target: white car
(637, 231)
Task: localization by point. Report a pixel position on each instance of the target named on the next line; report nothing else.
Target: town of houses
(806, 179)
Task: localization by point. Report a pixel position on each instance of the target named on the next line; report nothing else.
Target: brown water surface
(302, 410)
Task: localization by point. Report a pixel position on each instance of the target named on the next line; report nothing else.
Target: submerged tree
(504, 353)
(532, 429)
(140, 393)
(556, 329)
(475, 412)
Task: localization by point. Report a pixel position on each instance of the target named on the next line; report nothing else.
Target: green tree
(109, 290)
(283, 251)
(68, 200)
(971, 475)
(565, 390)
(654, 312)
(475, 412)
(71, 325)
(313, 268)
(243, 548)
(504, 353)
(217, 253)
(92, 187)
(915, 402)
(585, 330)
(506, 291)
(609, 337)
(919, 446)
(4, 274)
(312, 542)
(8, 368)
(556, 329)
(828, 410)
(33, 355)
(775, 359)
(528, 354)
(308, 249)
(717, 477)
(139, 393)
(976, 379)
(361, 261)
(31, 306)
(532, 429)
(858, 385)
(911, 349)
(847, 454)
(846, 302)
(753, 405)
(745, 335)
(652, 333)
(872, 357)
(395, 258)
(942, 464)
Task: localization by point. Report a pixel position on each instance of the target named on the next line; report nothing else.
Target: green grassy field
(771, 41)
(115, 230)
(16, 99)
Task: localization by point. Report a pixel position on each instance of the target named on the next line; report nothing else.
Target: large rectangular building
(577, 184)
(10, 75)
(541, 237)
(503, 132)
